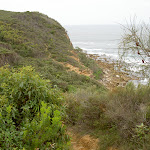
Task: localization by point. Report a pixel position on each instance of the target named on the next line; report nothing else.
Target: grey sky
(69, 12)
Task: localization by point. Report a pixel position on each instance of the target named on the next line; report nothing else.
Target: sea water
(96, 39)
(104, 41)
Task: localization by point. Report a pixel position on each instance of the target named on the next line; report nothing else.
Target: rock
(117, 76)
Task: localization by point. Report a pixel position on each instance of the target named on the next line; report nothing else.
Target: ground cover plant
(120, 118)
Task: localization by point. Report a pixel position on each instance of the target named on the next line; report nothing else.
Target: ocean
(104, 40)
(96, 39)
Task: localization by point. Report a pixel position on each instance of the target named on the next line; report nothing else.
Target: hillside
(31, 38)
(47, 86)
(34, 39)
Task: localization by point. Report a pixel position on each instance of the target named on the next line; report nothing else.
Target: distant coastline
(103, 40)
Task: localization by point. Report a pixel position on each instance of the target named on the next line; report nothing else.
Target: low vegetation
(30, 111)
(90, 63)
(32, 38)
(39, 95)
(120, 118)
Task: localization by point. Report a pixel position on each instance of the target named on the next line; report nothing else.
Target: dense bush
(29, 111)
(85, 106)
(31, 34)
(128, 109)
(119, 118)
(45, 131)
(60, 76)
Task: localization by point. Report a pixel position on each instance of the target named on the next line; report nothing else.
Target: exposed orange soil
(85, 142)
(75, 58)
(86, 72)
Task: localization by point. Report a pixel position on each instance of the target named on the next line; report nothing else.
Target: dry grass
(120, 117)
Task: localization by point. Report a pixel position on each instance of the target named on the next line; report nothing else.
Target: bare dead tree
(136, 38)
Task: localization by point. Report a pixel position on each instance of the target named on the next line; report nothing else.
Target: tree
(135, 43)
(136, 39)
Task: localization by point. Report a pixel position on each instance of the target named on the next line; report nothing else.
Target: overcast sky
(76, 12)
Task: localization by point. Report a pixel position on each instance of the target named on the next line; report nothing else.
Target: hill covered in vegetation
(31, 38)
(31, 109)
(44, 81)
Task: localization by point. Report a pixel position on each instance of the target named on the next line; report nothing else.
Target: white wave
(142, 81)
(90, 49)
(101, 52)
(83, 43)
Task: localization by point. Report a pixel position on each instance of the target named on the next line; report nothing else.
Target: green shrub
(85, 106)
(10, 35)
(109, 138)
(46, 130)
(141, 135)
(10, 137)
(28, 105)
(98, 74)
(60, 76)
(4, 51)
(128, 109)
(25, 89)
(120, 118)
(90, 63)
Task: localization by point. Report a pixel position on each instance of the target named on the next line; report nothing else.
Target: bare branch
(136, 38)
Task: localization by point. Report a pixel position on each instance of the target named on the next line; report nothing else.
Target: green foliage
(85, 106)
(98, 74)
(41, 42)
(32, 34)
(109, 138)
(59, 75)
(9, 136)
(4, 51)
(6, 15)
(15, 38)
(7, 33)
(127, 108)
(29, 105)
(120, 118)
(141, 134)
(46, 130)
(27, 92)
(90, 63)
